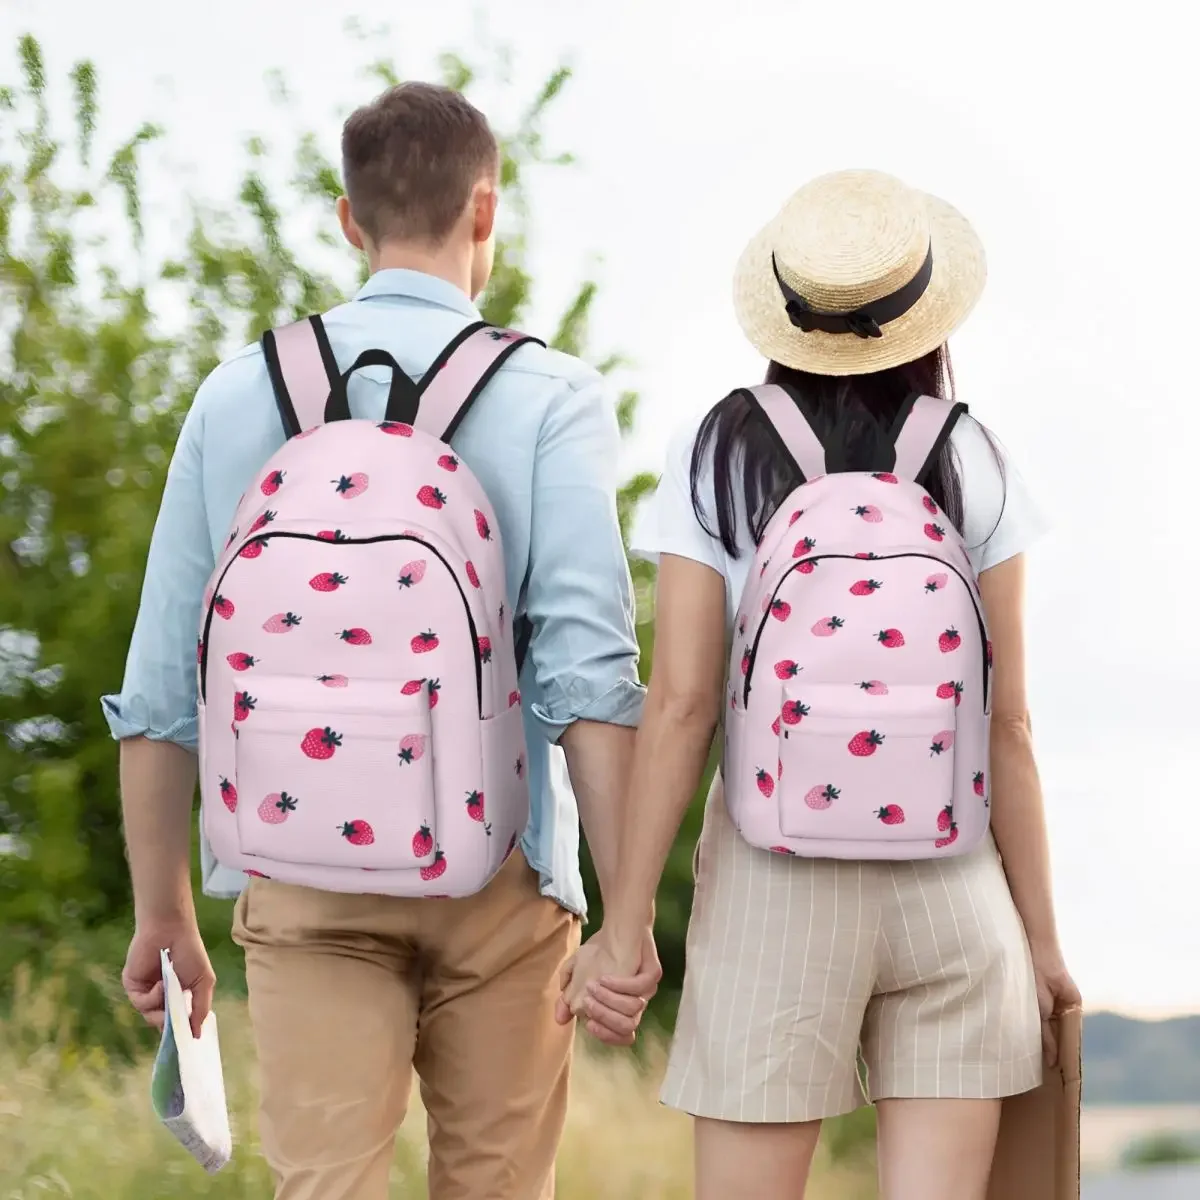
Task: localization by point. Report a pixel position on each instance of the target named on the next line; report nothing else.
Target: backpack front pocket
(339, 775)
(866, 763)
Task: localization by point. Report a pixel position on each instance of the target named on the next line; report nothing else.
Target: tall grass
(75, 1123)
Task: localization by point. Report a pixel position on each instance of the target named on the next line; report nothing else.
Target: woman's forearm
(1019, 826)
(672, 747)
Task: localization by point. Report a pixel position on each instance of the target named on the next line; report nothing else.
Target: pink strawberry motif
(412, 687)
(228, 794)
(950, 838)
(977, 782)
(874, 687)
(412, 573)
(241, 661)
(929, 504)
(395, 428)
(199, 650)
(262, 521)
(780, 609)
(987, 650)
(935, 533)
(514, 698)
(793, 712)
(782, 850)
(281, 623)
(774, 723)
(272, 483)
(949, 641)
(786, 669)
(821, 797)
(448, 462)
(436, 869)
(484, 646)
(746, 661)
(865, 587)
(940, 743)
(412, 747)
(243, 705)
(890, 814)
(482, 527)
(795, 517)
(951, 688)
(358, 833)
(475, 806)
(320, 743)
(332, 535)
(337, 681)
(807, 568)
(249, 871)
(864, 744)
(869, 513)
(424, 642)
(945, 818)
(471, 573)
(766, 784)
(935, 583)
(275, 808)
(884, 477)
(350, 486)
(422, 843)
(431, 497)
(779, 768)
(890, 639)
(827, 626)
(252, 549)
(803, 547)
(327, 581)
(434, 688)
(355, 637)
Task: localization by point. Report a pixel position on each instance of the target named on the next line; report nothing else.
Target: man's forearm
(158, 780)
(598, 760)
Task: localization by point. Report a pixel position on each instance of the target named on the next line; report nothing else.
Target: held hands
(609, 988)
(1056, 993)
(142, 976)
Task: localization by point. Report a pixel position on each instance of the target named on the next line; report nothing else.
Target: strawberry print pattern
(367, 651)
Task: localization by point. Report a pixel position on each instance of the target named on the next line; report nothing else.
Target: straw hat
(857, 273)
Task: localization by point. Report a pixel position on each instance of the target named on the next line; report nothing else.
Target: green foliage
(1162, 1149)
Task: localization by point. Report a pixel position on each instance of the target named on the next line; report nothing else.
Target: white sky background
(1067, 137)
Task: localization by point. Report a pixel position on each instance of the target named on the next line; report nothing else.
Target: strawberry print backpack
(360, 723)
(858, 715)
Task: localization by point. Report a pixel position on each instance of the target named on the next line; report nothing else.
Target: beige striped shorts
(813, 985)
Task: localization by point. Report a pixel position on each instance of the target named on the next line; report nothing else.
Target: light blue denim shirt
(544, 444)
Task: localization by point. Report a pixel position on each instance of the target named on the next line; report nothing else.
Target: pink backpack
(859, 679)
(360, 723)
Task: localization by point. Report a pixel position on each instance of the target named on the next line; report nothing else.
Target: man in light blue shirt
(347, 992)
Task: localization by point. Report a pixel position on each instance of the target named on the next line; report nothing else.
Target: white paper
(187, 1088)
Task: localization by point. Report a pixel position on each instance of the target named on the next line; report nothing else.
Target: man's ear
(350, 229)
(485, 199)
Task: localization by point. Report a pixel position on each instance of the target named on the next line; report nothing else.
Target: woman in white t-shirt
(924, 985)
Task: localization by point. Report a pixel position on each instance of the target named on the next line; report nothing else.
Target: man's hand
(142, 976)
(609, 989)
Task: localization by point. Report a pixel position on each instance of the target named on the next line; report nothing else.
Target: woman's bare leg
(936, 1149)
(738, 1160)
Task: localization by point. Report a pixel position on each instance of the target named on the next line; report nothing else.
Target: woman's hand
(1056, 992)
(609, 987)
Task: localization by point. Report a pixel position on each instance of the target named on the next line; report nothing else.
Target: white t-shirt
(1000, 517)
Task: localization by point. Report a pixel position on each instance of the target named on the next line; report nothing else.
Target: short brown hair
(410, 159)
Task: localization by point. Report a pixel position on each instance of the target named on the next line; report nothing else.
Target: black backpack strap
(303, 372)
(460, 373)
(922, 428)
(792, 430)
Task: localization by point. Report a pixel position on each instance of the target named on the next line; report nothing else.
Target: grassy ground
(75, 1124)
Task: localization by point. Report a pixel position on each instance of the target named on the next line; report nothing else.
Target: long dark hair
(853, 413)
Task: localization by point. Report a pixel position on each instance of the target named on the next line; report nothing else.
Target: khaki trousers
(349, 993)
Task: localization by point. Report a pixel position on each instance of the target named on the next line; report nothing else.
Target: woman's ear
(350, 229)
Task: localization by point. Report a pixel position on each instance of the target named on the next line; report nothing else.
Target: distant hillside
(1141, 1062)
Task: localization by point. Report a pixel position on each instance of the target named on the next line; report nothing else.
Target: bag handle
(921, 429)
(795, 435)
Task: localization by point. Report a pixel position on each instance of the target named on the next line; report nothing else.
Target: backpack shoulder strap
(303, 370)
(791, 427)
(460, 373)
(921, 429)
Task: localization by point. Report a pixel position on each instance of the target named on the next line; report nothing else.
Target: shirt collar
(398, 281)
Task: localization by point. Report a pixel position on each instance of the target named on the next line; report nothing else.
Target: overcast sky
(1066, 136)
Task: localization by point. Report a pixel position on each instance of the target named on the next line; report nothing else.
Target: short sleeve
(1000, 516)
(666, 523)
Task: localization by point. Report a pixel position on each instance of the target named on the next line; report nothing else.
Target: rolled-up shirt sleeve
(579, 596)
(158, 695)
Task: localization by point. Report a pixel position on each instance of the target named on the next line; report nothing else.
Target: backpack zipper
(345, 541)
(878, 558)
